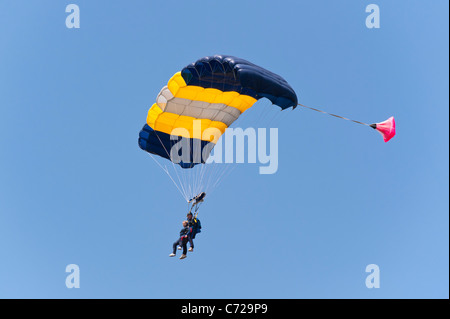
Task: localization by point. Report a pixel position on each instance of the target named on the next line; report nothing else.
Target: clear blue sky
(76, 188)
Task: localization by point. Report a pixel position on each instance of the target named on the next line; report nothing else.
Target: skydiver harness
(195, 203)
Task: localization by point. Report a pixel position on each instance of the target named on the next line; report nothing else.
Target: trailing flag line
(386, 128)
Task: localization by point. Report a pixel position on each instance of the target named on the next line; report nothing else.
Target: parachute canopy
(386, 128)
(202, 100)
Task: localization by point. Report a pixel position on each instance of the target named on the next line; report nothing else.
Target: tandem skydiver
(182, 240)
(193, 222)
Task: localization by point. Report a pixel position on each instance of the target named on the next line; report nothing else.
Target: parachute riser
(196, 201)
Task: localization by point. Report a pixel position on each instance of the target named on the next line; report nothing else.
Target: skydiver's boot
(172, 255)
(191, 249)
(179, 247)
(183, 256)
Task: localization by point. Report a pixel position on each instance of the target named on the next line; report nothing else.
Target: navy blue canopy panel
(160, 143)
(228, 73)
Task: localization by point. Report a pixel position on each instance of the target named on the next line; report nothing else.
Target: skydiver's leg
(175, 244)
(183, 243)
(191, 242)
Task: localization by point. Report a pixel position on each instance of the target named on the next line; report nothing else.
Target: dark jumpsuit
(182, 241)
